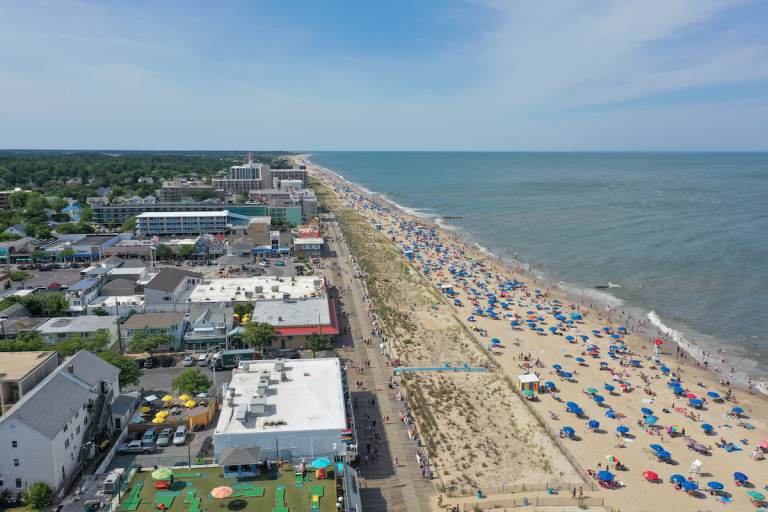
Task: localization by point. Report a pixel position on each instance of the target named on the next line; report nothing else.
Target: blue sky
(412, 75)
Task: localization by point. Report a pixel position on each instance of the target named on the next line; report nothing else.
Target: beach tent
(528, 381)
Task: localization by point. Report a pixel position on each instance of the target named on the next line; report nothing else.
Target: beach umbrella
(557, 367)
(566, 375)
(184, 397)
(689, 485)
(651, 420)
(622, 429)
(690, 395)
(221, 492)
(144, 409)
(713, 394)
(695, 402)
(162, 474)
(569, 431)
(764, 444)
(321, 462)
(665, 369)
(612, 459)
(167, 398)
(605, 476)
(495, 341)
(580, 360)
(715, 485)
(593, 424)
(706, 427)
(646, 411)
(572, 405)
(608, 387)
(550, 385)
(658, 342)
(651, 476)
(157, 420)
(677, 478)
(553, 330)
(657, 448)
(663, 454)
(569, 338)
(591, 391)
(598, 398)
(737, 410)
(528, 393)
(615, 336)
(610, 414)
(190, 404)
(595, 332)
(757, 496)
(740, 477)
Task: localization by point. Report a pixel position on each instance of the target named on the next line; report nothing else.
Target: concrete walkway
(386, 488)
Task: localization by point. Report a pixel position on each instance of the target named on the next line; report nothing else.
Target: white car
(188, 361)
(164, 439)
(202, 360)
(180, 436)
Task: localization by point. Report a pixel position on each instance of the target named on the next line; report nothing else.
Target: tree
(164, 252)
(38, 255)
(67, 253)
(45, 304)
(146, 341)
(100, 312)
(19, 275)
(192, 380)
(130, 374)
(39, 495)
(26, 341)
(243, 308)
(258, 334)
(318, 342)
(96, 342)
(130, 224)
(185, 251)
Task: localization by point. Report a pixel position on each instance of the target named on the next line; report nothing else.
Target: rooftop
(306, 396)
(88, 323)
(308, 241)
(259, 494)
(154, 320)
(314, 311)
(219, 213)
(16, 365)
(168, 279)
(244, 289)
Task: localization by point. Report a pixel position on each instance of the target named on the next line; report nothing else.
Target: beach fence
(534, 501)
(564, 488)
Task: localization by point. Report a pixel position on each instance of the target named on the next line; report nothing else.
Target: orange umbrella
(221, 492)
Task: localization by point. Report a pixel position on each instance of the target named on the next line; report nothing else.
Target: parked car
(135, 447)
(202, 360)
(280, 263)
(166, 361)
(150, 362)
(148, 439)
(22, 267)
(188, 361)
(180, 436)
(164, 439)
(140, 362)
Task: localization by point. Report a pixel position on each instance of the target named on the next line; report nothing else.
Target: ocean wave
(613, 285)
(600, 297)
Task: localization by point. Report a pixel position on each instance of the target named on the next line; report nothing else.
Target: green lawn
(191, 493)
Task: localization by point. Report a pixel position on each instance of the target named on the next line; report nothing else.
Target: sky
(385, 75)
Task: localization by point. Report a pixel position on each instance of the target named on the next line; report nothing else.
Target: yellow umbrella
(145, 409)
(162, 414)
(185, 397)
(167, 398)
(157, 421)
(190, 404)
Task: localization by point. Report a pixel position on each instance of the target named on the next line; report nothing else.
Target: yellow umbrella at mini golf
(167, 398)
(162, 414)
(185, 397)
(190, 404)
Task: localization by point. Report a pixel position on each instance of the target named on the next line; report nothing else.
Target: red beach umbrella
(651, 476)
(659, 342)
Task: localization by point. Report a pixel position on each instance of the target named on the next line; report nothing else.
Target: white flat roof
(310, 397)
(110, 301)
(528, 377)
(245, 289)
(295, 313)
(127, 271)
(307, 241)
(217, 213)
(88, 323)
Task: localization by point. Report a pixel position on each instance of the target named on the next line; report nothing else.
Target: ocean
(680, 236)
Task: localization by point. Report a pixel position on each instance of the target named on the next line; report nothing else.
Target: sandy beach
(531, 329)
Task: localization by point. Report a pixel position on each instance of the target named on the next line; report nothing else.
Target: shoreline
(704, 357)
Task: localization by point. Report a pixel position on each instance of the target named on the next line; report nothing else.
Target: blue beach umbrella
(584, 337)
(646, 411)
(580, 360)
(651, 420)
(615, 336)
(657, 447)
(664, 454)
(553, 330)
(740, 477)
(495, 341)
(715, 485)
(677, 478)
(610, 414)
(569, 431)
(706, 427)
(321, 462)
(737, 410)
(622, 429)
(593, 424)
(696, 402)
(713, 394)
(572, 405)
(550, 385)
(605, 476)
(557, 367)
(566, 375)
(609, 387)
(689, 485)
(598, 398)
(569, 338)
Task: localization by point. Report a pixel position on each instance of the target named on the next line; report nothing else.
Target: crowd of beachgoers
(645, 419)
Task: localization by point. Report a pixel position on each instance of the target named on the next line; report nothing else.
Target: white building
(188, 223)
(246, 289)
(169, 285)
(46, 434)
(287, 409)
(62, 328)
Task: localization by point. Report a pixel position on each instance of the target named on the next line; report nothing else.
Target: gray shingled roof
(51, 404)
(169, 279)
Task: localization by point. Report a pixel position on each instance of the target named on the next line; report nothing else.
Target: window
(16, 463)
(65, 428)
(18, 483)
(77, 430)
(66, 443)
(14, 444)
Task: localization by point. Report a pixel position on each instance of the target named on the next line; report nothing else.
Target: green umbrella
(528, 393)
(162, 474)
(756, 495)
(591, 391)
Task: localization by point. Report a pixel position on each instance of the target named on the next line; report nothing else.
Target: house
(149, 200)
(73, 211)
(123, 408)
(19, 230)
(296, 319)
(15, 319)
(307, 246)
(168, 286)
(207, 326)
(97, 201)
(171, 323)
(147, 180)
(20, 372)
(112, 262)
(210, 245)
(118, 288)
(46, 435)
(62, 328)
(12, 251)
(83, 292)
(286, 409)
